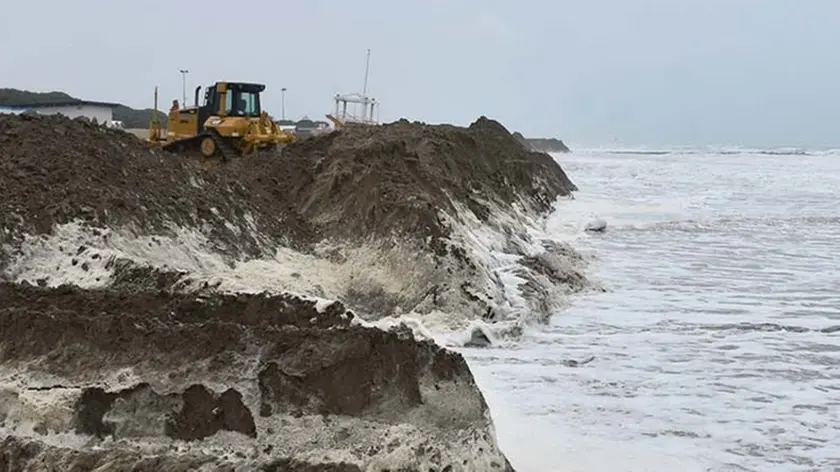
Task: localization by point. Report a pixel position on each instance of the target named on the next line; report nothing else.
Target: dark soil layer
(362, 181)
(21, 455)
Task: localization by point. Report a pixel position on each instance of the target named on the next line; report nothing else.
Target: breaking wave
(713, 151)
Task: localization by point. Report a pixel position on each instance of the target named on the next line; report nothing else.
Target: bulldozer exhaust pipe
(195, 100)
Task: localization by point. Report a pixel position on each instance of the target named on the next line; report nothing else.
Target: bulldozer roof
(247, 86)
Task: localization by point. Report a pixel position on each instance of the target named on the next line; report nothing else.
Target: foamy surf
(714, 344)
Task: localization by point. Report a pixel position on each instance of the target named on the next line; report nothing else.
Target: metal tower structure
(370, 106)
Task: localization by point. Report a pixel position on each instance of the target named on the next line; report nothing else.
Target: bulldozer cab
(235, 99)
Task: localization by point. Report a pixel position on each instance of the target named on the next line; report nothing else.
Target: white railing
(369, 108)
(351, 118)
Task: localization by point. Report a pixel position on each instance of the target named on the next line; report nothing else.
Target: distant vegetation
(14, 97)
(133, 118)
(130, 117)
(542, 144)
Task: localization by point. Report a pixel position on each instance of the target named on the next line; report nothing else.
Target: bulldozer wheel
(208, 147)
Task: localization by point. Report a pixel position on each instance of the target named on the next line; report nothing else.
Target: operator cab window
(247, 103)
(229, 103)
(242, 103)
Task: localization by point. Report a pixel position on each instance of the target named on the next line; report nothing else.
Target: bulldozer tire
(208, 147)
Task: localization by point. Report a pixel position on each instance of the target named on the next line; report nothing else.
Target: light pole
(283, 103)
(184, 73)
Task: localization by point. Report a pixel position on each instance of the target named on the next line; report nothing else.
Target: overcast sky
(632, 72)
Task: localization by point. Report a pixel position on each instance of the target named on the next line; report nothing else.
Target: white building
(102, 112)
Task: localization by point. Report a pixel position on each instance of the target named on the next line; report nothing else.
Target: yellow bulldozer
(229, 123)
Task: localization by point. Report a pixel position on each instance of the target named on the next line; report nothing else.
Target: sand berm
(267, 314)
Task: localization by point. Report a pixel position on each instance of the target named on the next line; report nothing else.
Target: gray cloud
(655, 72)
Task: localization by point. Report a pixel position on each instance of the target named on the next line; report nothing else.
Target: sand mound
(406, 197)
(402, 217)
(248, 380)
(363, 181)
(54, 170)
(159, 364)
(394, 179)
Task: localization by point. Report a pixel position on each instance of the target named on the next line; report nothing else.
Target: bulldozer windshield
(242, 103)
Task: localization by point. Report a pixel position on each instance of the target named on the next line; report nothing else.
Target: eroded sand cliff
(159, 316)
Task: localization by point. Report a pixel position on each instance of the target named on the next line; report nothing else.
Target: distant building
(306, 128)
(287, 126)
(102, 112)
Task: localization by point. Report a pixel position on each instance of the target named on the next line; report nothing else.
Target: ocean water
(717, 342)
